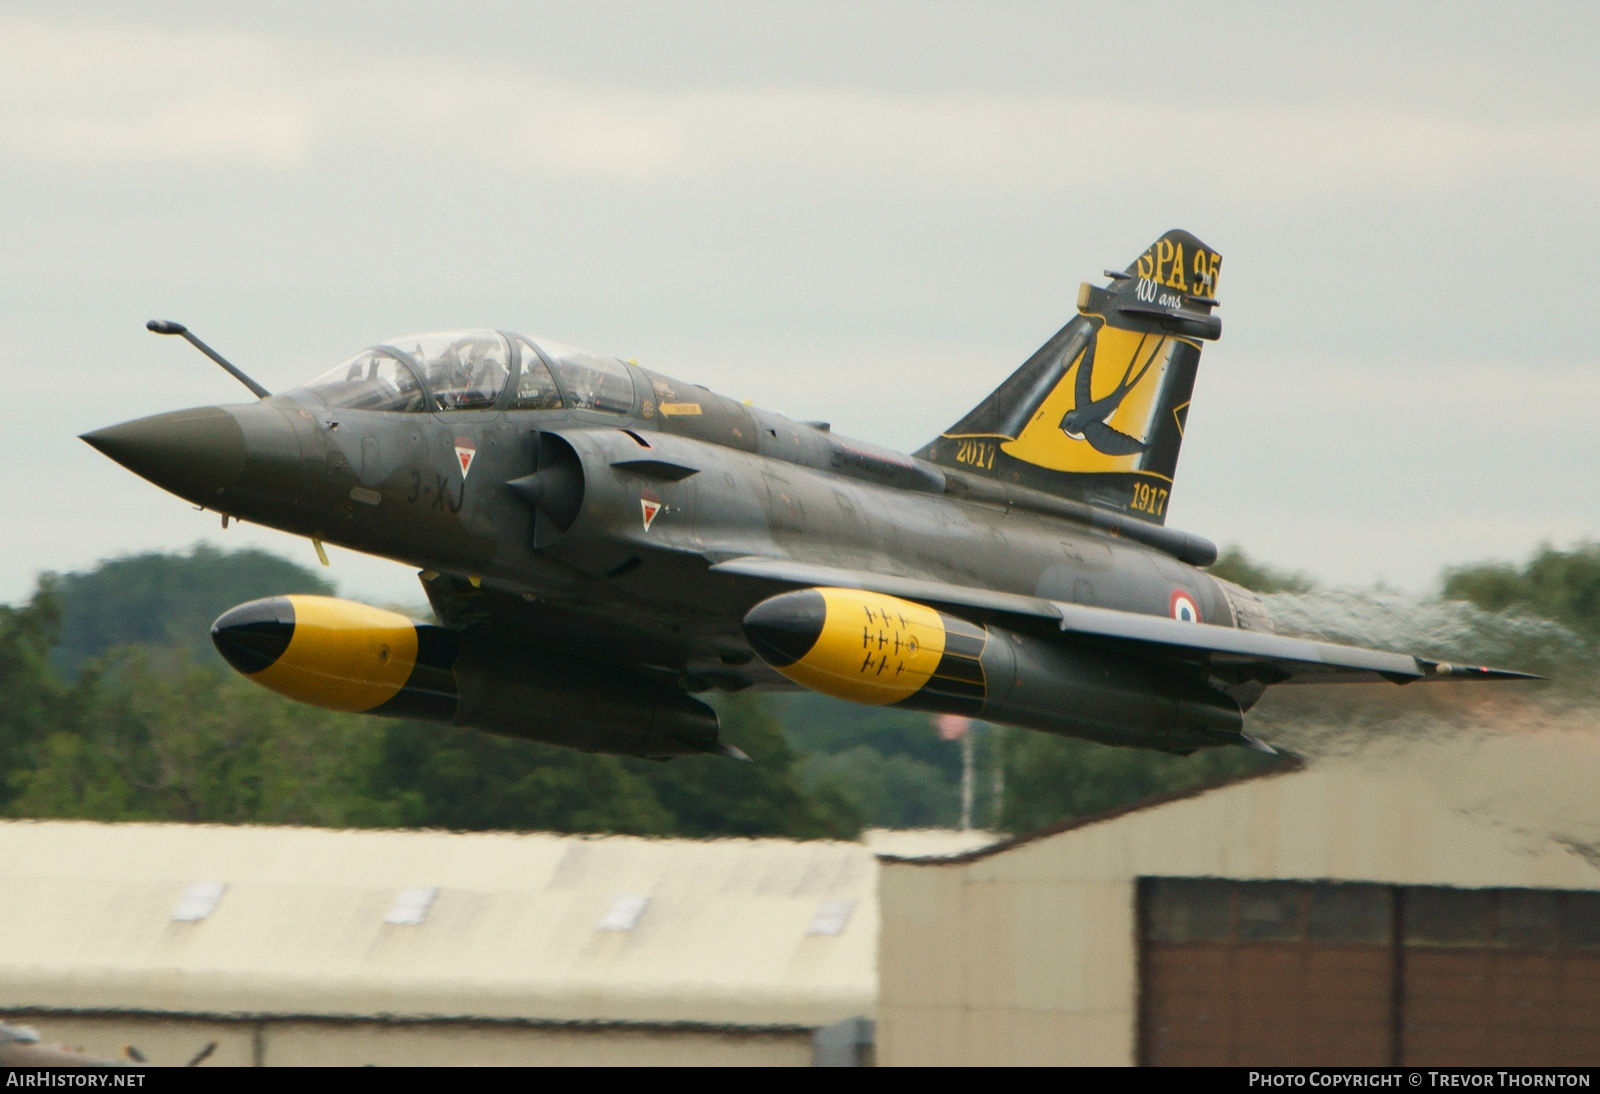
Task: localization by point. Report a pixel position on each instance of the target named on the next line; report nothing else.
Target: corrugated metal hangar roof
(246, 920)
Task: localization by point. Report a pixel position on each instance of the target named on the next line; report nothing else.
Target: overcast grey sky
(868, 213)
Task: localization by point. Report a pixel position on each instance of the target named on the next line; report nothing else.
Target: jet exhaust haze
(1525, 759)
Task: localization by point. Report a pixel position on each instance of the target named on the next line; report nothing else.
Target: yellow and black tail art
(871, 648)
(1098, 413)
(343, 656)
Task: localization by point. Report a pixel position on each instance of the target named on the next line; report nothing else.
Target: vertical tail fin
(1098, 413)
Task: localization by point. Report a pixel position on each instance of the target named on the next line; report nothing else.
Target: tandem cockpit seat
(476, 370)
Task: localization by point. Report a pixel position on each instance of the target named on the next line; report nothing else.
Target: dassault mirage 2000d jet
(600, 542)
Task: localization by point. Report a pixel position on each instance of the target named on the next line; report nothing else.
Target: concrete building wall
(163, 1041)
(174, 1041)
(995, 971)
(1028, 952)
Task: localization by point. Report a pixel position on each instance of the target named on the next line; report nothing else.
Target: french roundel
(1183, 607)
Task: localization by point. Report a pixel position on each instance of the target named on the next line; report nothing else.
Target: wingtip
(1256, 745)
(1444, 670)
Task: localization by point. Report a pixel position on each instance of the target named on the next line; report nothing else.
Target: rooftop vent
(833, 915)
(411, 906)
(199, 900)
(624, 913)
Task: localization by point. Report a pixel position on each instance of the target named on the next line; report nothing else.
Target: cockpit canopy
(475, 370)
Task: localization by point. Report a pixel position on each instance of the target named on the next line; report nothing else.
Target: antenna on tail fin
(1098, 413)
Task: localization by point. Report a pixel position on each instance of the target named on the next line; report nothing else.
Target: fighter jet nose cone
(253, 636)
(195, 454)
(783, 629)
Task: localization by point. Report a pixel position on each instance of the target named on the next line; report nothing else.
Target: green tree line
(1563, 586)
(113, 706)
(111, 709)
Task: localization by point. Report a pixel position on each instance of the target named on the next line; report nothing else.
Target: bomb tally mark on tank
(465, 452)
(875, 639)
